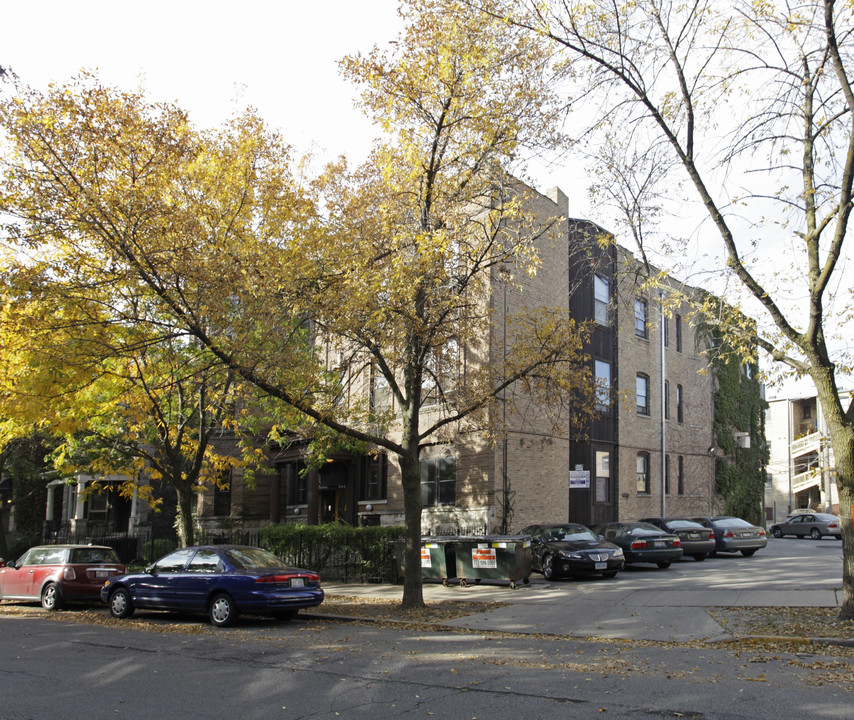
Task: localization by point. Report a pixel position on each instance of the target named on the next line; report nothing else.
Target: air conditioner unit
(742, 439)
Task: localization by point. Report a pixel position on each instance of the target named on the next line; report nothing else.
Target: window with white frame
(641, 318)
(642, 391)
(601, 300)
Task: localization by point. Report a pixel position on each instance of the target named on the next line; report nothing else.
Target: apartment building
(647, 453)
(800, 471)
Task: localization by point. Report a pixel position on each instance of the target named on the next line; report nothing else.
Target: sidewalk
(599, 610)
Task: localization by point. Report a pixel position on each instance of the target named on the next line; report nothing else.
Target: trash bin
(438, 561)
(495, 557)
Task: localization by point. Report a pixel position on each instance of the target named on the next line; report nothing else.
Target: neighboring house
(800, 471)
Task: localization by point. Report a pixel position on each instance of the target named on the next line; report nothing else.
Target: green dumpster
(437, 559)
(494, 557)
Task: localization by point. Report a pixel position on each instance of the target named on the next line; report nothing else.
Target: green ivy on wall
(739, 408)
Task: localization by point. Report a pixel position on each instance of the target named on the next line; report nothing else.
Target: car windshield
(641, 529)
(93, 555)
(252, 558)
(730, 522)
(561, 533)
(683, 524)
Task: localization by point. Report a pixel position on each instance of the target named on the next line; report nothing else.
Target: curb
(728, 639)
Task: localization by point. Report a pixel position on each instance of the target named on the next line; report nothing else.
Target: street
(156, 665)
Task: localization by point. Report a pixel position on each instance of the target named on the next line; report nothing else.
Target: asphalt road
(59, 669)
(322, 670)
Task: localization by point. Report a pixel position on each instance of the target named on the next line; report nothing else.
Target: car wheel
(776, 532)
(699, 557)
(663, 565)
(51, 597)
(548, 567)
(609, 574)
(222, 611)
(815, 534)
(748, 553)
(120, 603)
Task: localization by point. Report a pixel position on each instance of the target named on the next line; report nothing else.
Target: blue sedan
(220, 580)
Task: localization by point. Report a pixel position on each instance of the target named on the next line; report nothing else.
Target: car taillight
(761, 532)
(729, 533)
(69, 574)
(285, 578)
(677, 543)
(639, 544)
(833, 525)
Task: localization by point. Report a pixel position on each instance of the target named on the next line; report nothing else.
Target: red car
(56, 574)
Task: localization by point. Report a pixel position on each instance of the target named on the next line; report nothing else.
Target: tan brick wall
(689, 439)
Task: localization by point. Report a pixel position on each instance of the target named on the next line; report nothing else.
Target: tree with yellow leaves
(304, 289)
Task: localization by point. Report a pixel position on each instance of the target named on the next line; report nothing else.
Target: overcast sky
(211, 57)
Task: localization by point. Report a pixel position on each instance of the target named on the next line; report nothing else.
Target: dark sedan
(59, 574)
(734, 535)
(642, 542)
(697, 541)
(571, 549)
(220, 580)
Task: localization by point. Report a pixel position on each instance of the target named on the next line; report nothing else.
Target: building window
(603, 477)
(680, 475)
(678, 333)
(643, 473)
(680, 402)
(375, 478)
(665, 328)
(641, 318)
(807, 412)
(293, 477)
(603, 385)
(642, 385)
(222, 495)
(438, 481)
(667, 400)
(380, 394)
(667, 474)
(601, 300)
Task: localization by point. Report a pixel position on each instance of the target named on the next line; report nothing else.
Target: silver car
(814, 525)
(733, 534)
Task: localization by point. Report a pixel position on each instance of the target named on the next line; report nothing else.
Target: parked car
(572, 549)
(642, 542)
(220, 580)
(59, 574)
(734, 535)
(697, 541)
(816, 525)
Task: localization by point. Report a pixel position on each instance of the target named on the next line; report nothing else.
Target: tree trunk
(185, 514)
(842, 439)
(841, 431)
(413, 591)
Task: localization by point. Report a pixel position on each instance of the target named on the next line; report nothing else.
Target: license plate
(693, 536)
(297, 582)
(102, 573)
(659, 543)
(601, 566)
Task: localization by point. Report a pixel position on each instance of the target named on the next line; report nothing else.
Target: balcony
(807, 444)
(806, 480)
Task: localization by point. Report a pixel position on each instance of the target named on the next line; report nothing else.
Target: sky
(212, 58)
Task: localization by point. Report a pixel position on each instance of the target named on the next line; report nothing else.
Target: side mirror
(11, 564)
